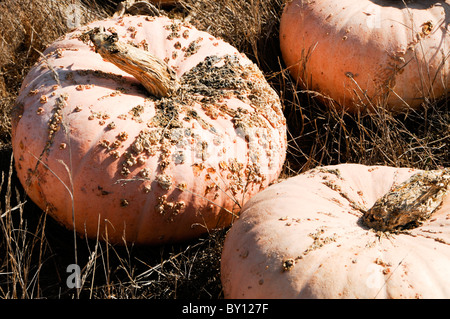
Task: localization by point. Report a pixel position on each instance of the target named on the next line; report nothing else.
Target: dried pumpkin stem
(409, 204)
(153, 73)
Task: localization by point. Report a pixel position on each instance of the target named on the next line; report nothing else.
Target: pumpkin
(144, 129)
(367, 54)
(343, 231)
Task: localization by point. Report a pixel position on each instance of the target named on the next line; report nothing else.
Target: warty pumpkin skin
(95, 150)
(366, 53)
(305, 238)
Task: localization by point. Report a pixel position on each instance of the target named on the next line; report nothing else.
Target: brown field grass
(35, 250)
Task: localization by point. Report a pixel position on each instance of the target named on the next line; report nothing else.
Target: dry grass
(35, 251)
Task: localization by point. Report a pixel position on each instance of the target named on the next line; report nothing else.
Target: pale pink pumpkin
(363, 53)
(95, 150)
(305, 238)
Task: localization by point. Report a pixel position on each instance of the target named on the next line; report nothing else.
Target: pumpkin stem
(153, 73)
(407, 205)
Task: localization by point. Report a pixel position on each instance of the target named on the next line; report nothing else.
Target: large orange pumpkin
(343, 231)
(365, 53)
(99, 153)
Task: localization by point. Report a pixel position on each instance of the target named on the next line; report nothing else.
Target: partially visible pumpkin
(99, 153)
(365, 53)
(313, 236)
